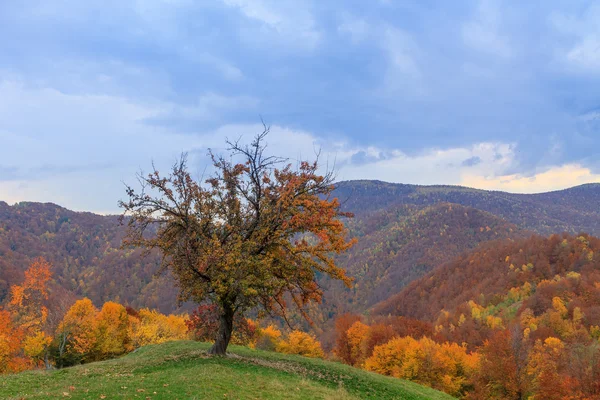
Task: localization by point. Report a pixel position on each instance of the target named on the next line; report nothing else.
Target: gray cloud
(471, 162)
(118, 83)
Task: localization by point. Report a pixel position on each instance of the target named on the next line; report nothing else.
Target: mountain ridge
(85, 247)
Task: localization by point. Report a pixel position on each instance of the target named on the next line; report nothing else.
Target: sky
(501, 95)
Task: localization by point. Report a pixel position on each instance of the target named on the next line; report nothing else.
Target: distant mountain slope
(502, 280)
(84, 250)
(572, 210)
(402, 243)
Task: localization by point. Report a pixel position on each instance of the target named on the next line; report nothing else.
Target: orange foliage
(447, 366)
(546, 361)
(10, 345)
(77, 330)
(112, 330)
(267, 338)
(342, 347)
(152, 327)
(301, 343)
(257, 234)
(357, 335)
(27, 299)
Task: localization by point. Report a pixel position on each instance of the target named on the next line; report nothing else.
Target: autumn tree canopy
(253, 235)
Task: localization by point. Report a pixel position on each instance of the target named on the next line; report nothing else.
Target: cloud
(483, 31)
(582, 47)
(473, 161)
(402, 51)
(209, 109)
(555, 178)
(356, 28)
(290, 21)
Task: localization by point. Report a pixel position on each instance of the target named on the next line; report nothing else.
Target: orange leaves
(357, 335)
(447, 367)
(302, 343)
(10, 344)
(545, 363)
(27, 300)
(268, 338)
(37, 277)
(79, 327)
(111, 329)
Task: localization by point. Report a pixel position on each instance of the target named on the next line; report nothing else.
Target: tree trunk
(225, 330)
(47, 361)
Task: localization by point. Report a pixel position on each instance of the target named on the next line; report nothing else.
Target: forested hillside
(572, 210)
(404, 231)
(84, 249)
(528, 309)
(403, 242)
(434, 268)
(495, 284)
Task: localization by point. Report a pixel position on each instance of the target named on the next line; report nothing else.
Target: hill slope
(403, 243)
(181, 370)
(84, 249)
(505, 280)
(404, 231)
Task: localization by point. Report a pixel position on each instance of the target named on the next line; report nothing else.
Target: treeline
(40, 328)
(572, 210)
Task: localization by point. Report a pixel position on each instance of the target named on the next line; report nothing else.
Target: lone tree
(252, 236)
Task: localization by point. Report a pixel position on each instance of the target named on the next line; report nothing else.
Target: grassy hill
(182, 370)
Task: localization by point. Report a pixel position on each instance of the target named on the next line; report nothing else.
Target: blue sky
(493, 94)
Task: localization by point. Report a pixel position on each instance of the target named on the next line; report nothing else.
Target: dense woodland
(479, 294)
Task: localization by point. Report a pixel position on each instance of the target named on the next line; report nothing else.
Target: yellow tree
(545, 365)
(152, 327)
(446, 366)
(27, 299)
(76, 333)
(254, 235)
(301, 343)
(357, 335)
(111, 330)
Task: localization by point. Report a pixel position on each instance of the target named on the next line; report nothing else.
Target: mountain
(84, 249)
(402, 243)
(571, 210)
(404, 232)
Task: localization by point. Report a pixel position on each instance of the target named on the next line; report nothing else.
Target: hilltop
(182, 370)
(571, 210)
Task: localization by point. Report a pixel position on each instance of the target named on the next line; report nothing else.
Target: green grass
(182, 370)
